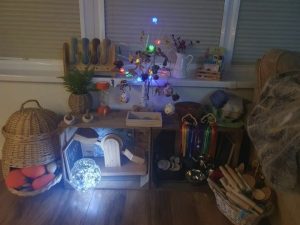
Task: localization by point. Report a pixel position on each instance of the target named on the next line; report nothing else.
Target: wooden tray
(144, 119)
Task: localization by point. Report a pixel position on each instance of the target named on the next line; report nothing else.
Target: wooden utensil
(229, 178)
(248, 188)
(249, 202)
(235, 177)
(250, 180)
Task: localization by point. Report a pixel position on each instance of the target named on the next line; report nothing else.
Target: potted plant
(79, 83)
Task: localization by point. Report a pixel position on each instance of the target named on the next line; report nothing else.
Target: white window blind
(266, 24)
(37, 28)
(190, 19)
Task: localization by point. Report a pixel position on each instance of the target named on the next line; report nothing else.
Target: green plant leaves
(78, 82)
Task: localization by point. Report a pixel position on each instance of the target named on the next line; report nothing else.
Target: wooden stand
(132, 175)
(129, 175)
(99, 55)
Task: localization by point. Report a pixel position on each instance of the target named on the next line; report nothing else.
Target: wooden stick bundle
(235, 177)
(234, 183)
(230, 180)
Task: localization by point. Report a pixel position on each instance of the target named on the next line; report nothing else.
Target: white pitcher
(181, 65)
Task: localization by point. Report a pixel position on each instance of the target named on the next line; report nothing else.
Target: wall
(54, 97)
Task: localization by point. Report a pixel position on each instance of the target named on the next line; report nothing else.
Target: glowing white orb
(85, 174)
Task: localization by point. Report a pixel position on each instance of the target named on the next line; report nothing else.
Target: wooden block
(111, 148)
(133, 157)
(204, 76)
(229, 178)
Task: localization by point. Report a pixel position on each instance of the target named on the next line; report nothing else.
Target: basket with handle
(235, 214)
(30, 137)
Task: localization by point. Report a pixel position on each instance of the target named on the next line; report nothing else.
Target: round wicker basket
(30, 138)
(79, 104)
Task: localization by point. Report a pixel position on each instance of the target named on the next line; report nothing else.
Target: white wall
(53, 96)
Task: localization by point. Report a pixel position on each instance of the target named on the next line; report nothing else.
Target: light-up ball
(150, 48)
(154, 20)
(85, 174)
(157, 42)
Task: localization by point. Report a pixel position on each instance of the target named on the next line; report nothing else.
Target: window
(189, 19)
(266, 24)
(37, 28)
(247, 29)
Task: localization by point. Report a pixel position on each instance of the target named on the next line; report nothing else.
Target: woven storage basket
(235, 214)
(56, 180)
(30, 138)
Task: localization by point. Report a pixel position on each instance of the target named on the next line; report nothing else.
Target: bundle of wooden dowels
(240, 190)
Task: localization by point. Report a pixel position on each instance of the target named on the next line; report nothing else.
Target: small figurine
(124, 97)
(69, 119)
(87, 117)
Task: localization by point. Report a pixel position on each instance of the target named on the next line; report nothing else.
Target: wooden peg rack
(81, 53)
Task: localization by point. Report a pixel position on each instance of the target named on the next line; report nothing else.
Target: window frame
(92, 24)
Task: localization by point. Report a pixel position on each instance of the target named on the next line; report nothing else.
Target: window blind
(190, 19)
(37, 28)
(266, 24)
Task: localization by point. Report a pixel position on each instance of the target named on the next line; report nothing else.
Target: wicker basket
(30, 138)
(235, 214)
(55, 181)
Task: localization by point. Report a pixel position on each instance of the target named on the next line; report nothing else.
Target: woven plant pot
(30, 138)
(79, 104)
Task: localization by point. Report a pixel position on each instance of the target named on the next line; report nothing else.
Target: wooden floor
(109, 207)
(60, 206)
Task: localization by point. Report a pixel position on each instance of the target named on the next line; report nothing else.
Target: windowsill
(48, 71)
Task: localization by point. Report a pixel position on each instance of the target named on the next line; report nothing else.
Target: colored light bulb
(150, 48)
(122, 70)
(154, 20)
(157, 42)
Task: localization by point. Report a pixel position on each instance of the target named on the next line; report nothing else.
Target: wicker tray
(55, 181)
(235, 214)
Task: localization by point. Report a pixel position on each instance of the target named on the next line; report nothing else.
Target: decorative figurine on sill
(169, 109)
(124, 88)
(124, 97)
(168, 90)
(69, 119)
(102, 110)
(87, 117)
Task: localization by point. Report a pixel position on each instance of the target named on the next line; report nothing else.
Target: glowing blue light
(139, 79)
(85, 174)
(154, 20)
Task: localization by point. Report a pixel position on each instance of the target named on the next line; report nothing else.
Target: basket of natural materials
(30, 181)
(31, 141)
(242, 198)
